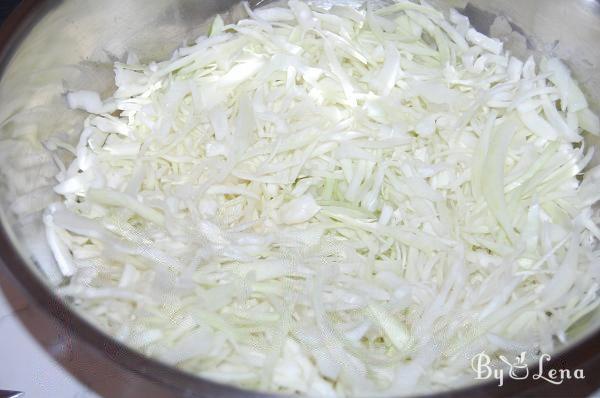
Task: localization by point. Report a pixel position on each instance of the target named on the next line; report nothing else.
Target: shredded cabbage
(341, 202)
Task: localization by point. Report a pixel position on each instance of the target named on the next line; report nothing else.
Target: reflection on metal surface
(11, 394)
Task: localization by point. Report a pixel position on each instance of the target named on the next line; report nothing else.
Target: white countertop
(28, 364)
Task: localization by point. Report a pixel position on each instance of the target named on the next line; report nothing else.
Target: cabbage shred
(333, 202)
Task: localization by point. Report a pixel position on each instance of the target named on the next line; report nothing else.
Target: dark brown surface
(6, 7)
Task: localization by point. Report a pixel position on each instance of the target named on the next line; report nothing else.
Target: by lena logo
(518, 369)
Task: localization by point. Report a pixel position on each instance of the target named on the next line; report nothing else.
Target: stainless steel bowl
(54, 45)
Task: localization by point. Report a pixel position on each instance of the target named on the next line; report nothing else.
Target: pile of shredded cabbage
(337, 202)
